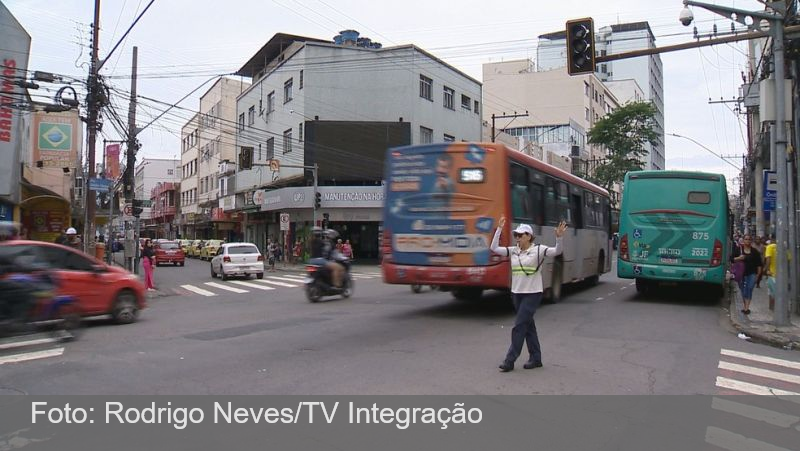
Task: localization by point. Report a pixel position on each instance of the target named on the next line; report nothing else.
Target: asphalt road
(265, 338)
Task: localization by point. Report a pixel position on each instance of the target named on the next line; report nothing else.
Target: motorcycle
(29, 304)
(318, 280)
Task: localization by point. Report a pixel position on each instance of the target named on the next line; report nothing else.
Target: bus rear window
(699, 197)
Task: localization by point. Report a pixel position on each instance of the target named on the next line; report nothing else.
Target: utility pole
(91, 128)
(505, 116)
(130, 170)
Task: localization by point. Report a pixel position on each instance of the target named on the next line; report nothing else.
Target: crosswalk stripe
(769, 374)
(736, 442)
(287, 279)
(252, 285)
(373, 274)
(20, 344)
(761, 358)
(197, 290)
(225, 287)
(293, 277)
(280, 284)
(753, 389)
(754, 413)
(31, 356)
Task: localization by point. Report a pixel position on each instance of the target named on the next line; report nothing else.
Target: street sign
(284, 221)
(274, 165)
(128, 210)
(98, 184)
(258, 197)
(770, 190)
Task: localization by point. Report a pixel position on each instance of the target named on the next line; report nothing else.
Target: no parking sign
(284, 221)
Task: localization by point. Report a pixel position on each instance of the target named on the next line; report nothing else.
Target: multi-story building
(164, 201)
(339, 105)
(646, 70)
(561, 110)
(189, 211)
(149, 173)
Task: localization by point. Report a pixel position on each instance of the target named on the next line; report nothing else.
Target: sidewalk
(758, 324)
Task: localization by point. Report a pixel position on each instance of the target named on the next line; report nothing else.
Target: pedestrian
(753, 264)
(770, 263)
(148, 263)
(73, 240)
(271, 255)
(526, 288)
(297, 251)
(339, 245)
(347, 250)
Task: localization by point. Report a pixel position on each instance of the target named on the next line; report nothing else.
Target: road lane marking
(252, 285)
(612, 293)
(286, 279)
(20, 344)
(599, 299)
(197, 290)
(225, 287)
(753, 371)
(293, 277)
(280, 284)
(761, 358)
(754, 389)
(624, 288)
(754, 413)
(736, 442)
(31, 356)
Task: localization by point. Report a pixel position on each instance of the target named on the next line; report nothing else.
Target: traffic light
(138, 206)
(246, 158)
(580, 46)
(137, 211)
(317, 199)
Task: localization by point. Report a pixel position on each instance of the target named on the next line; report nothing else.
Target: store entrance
(363, 237)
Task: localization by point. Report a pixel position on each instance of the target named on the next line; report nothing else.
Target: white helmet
(331, 234)
(72, 231)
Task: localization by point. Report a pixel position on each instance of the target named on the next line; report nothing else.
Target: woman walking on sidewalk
(752, 268)
(148, 262)
(526, 288)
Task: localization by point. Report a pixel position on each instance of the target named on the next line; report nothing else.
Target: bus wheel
(416, 288)
(643, 286)
(468, 294)
(555, 290)
(601, 266)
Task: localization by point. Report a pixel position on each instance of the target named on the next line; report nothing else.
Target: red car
(79, 275)
(169, 252)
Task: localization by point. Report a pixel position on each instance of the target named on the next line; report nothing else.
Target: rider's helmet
(331, 234)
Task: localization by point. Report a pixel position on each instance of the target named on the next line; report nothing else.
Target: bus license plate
(672, 261)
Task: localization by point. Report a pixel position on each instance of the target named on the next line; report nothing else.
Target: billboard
(56, 139)
(112, 161)
(14, 51)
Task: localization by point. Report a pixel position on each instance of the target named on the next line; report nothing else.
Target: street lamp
(706, 149)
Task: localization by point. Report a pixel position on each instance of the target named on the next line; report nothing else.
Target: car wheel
(260, 275)
(416, 288)
(213, 274)
(125, 310)
(181, 263)
(223, 275)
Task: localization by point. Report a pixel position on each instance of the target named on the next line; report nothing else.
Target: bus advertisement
(443, 202)
(674, 227)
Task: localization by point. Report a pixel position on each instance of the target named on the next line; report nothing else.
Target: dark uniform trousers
(524, 327)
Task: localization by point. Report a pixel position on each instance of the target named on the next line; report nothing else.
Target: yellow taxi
(194, 248)
(210, 249)
(185, 246)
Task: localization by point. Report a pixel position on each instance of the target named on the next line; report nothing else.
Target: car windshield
(242, 250)
(213, 243)
(168, 245)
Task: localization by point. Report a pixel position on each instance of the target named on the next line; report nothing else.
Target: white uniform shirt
(525, 278)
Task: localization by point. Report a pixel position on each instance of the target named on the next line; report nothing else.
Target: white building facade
(340, 106)
(647, 71)
(149, 173)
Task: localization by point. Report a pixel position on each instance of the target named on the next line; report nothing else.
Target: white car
(237, 259)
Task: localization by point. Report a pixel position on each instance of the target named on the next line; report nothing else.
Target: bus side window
(520, 195)
(537, 191)
(588, 211)
(550, 202)
(563, 203)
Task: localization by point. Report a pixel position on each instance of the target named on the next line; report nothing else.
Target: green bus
(674, 227)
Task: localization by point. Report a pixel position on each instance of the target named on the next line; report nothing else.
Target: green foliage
(624, 133)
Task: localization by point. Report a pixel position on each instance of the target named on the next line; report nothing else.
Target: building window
(251, 116)
(586, 88)
(270, 148)
(449, 138)
(271, 102)
(425, 135)
(477, 107)
(587, 114)
(426, 87)
(241, 122)
(301, 80)
(300, 132)
(287, 91)
(170, 172)
(287, 141)
(447, 98)
(466, 102)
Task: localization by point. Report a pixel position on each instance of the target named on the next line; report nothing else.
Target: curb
(773, 336)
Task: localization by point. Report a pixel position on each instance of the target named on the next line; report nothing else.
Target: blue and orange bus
(443, 202)
(674, 227)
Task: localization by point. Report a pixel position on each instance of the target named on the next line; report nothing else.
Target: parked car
(210, 249)
(98, 288)
(237, 259)
(194, 248)
(169, 252)
(185, 244)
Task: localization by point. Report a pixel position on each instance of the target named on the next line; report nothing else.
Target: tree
(624, 133)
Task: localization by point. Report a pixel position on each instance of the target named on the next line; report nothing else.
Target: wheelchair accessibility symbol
(637, 269)
(637, 233)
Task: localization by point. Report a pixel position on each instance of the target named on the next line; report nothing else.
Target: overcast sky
(183, 43)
